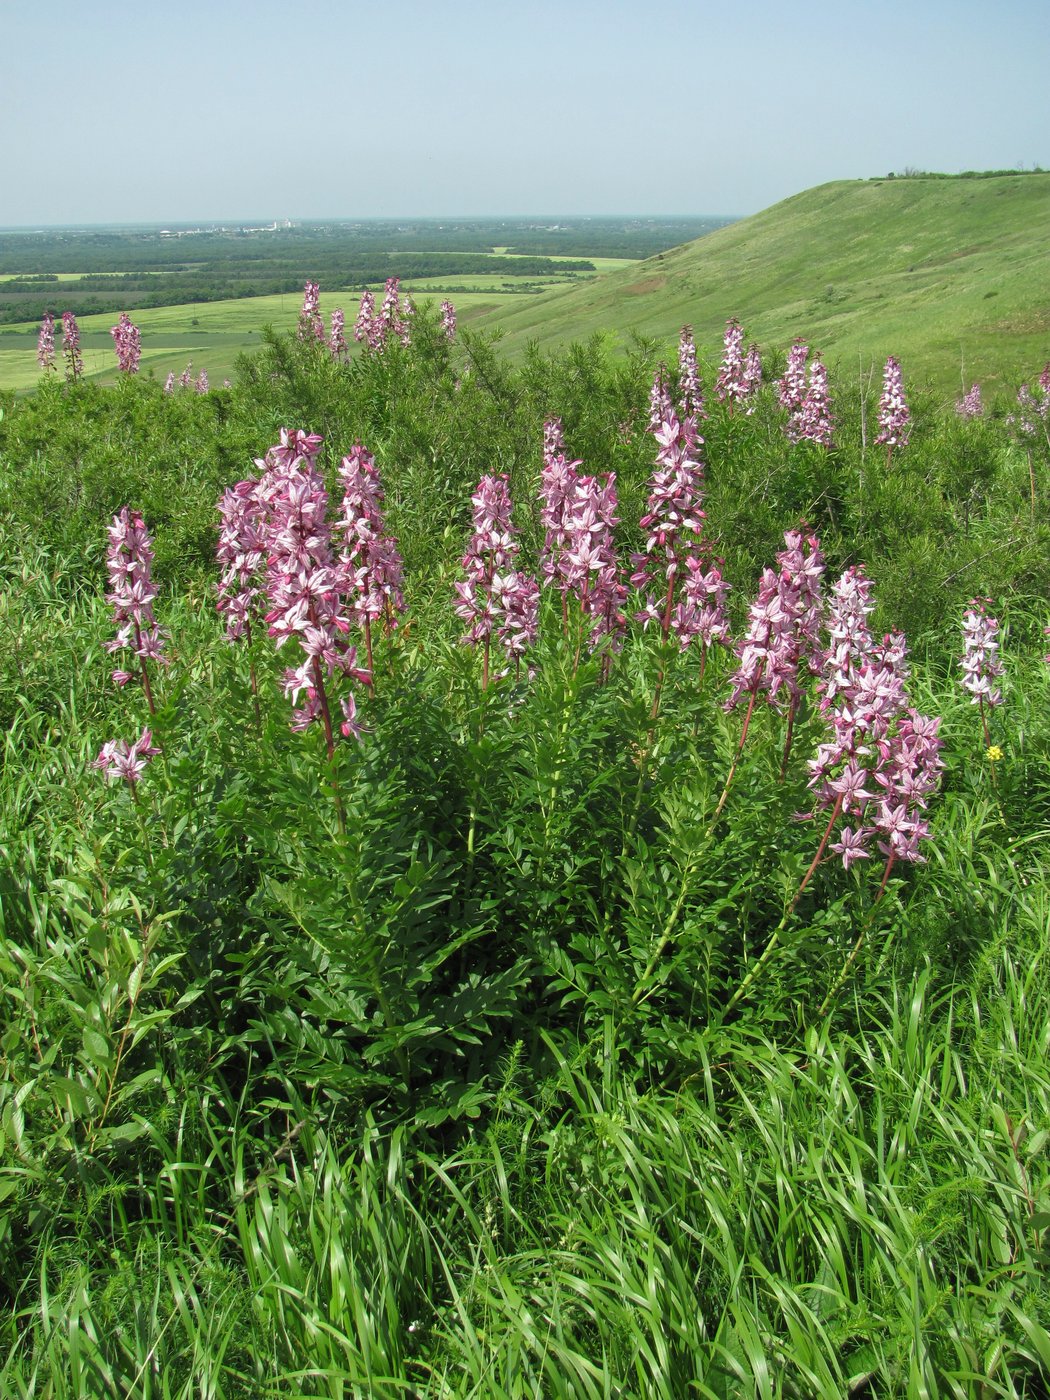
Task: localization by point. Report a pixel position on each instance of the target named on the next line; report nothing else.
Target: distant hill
(938, 271)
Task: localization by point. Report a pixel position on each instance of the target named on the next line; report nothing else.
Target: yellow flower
(995, 753)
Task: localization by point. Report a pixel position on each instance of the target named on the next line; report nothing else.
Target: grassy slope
(933, 271)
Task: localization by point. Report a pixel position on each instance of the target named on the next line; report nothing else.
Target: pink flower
(894, 416)
(45, 345)
(730, 385)
(129, 563)
(981, 664)
(970, 406)
(306, 585)
(784, 624)
(674, 519)
(813, 421)
(752, 375)
(792, 388)
(242, 553)
(690, 390)
(371, 562)
(448, 320)
(127, 341)
(117, 759)
(337, 346)
(494, 598)
(71, 347)
(367, 328)
(311, 327)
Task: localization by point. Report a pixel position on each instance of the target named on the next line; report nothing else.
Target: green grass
(214, 334)
(451, 1096)
(948, 275)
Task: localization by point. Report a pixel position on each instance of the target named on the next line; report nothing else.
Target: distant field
(213, 334)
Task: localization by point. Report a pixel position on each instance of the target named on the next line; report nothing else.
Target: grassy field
(213, 334)
(950, 275)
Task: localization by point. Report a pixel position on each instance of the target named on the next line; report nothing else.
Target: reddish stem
(885, 877)
(142, 665)
(820, 851)
(792, 711)
(736, 758)
(326, 714)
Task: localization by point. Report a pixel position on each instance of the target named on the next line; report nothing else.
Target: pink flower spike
(981, 663)
(71, 347)
(311, 327)
(45, 345)
(792, 388)
(731, 386)
(970, 406)
(894, 416)
(127, 342)
(129, 562)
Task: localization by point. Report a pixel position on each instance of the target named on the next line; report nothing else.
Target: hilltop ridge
(952, 274)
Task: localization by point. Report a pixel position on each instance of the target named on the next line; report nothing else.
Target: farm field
(213, 334)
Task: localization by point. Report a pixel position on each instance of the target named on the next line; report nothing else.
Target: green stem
(770, 947)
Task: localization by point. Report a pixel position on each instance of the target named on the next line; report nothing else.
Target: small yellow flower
(995, 753)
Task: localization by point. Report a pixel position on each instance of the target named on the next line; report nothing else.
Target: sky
(114, 112)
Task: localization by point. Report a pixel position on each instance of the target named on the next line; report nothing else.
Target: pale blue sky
(115, 111)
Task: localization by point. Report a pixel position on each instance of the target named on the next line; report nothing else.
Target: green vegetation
(950, 275)
(513, 1052)
(124, 270)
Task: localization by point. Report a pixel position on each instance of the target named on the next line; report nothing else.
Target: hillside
(941, 272)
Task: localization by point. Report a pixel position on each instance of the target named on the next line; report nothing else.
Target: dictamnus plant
(791, 389)
(894, 414)
(45, 345)
(306, 586)
(495, 599)
(311, 327)
(578, 558)
(448, 321)
(366, 327)
(970, 405)
(982, 666)
(127, 342)
(122, 761)
(813, 421)
(782, 637)
(690, 389)
(877, 769)
(71, 355)
(129, 563)
(370, 561)
(337, 346)
(241, 554)
(731, 385)
(752, 376)
(674, 523)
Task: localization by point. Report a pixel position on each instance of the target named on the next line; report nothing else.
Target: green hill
(952, 275)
